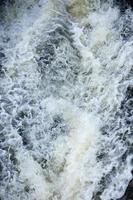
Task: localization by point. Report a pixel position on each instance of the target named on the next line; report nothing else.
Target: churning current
(66, 85)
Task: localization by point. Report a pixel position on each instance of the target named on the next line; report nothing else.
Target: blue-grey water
(65, 100)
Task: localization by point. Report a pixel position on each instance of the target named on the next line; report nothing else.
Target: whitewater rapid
(65, 121)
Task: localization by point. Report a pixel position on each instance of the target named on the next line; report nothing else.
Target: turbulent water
(65, 100)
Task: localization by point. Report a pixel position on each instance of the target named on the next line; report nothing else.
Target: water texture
(66, 99)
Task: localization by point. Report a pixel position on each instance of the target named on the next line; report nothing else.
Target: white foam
(72, 170)
(32, 175)
(77, 150)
